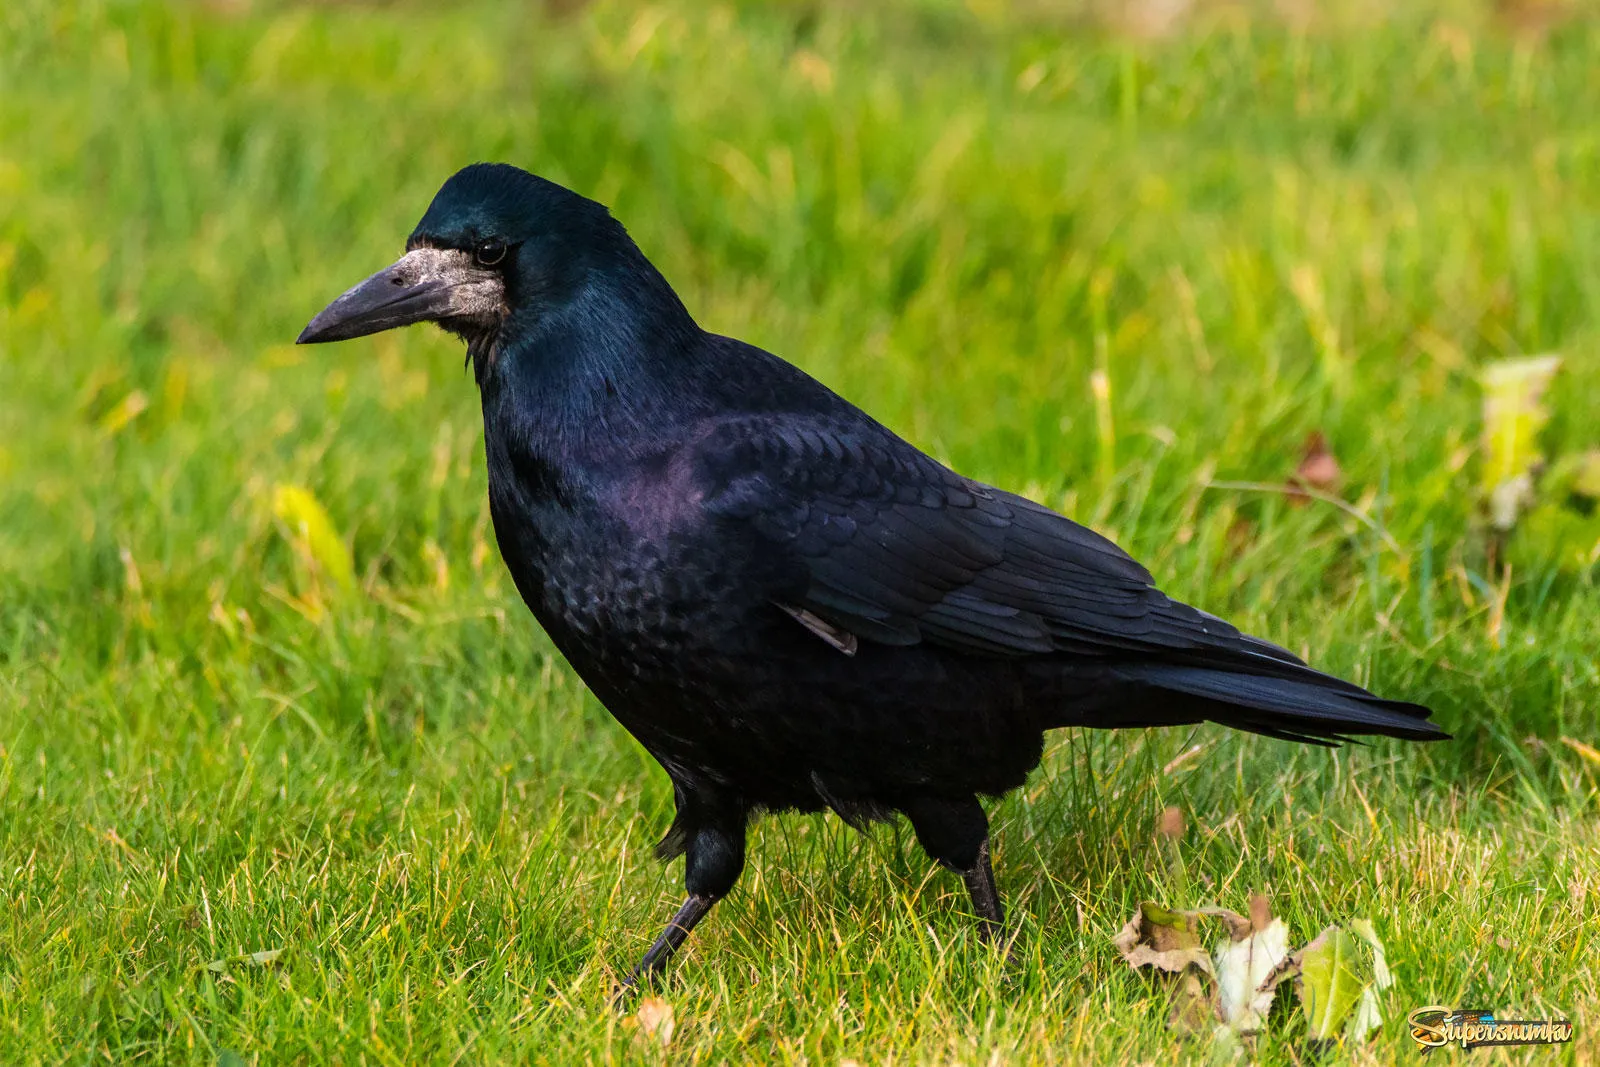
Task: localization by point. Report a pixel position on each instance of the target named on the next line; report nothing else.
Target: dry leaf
(1243, 965)
(1170, 825)
(1156, 937)
(656, 1021)
(1193, 1007)
(1318, 469)
(1238, 926)
(1260, 912)
(1288, 969)
(1167, 941)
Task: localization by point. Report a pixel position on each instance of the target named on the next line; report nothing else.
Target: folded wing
(892, 547)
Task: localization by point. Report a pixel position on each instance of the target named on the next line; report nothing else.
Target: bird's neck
(620, 361)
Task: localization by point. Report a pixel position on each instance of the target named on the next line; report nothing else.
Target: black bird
(790, 607)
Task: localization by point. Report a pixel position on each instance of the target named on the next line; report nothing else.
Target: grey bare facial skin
(443, 285)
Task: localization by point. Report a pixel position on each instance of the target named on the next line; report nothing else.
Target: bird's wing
(889, 545)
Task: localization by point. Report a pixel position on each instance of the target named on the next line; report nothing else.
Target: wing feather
(895, 548)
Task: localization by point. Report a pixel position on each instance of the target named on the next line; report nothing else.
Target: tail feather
(1287, 701)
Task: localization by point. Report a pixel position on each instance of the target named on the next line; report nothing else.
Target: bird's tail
(1286, 700)
(1240, 681)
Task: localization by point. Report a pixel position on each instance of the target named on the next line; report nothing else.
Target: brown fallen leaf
(1170, 826)
(1194, 1007)
(1260, 912)
(1239, 926)
(1318, 470)
(1167, 941)
(1289, 968)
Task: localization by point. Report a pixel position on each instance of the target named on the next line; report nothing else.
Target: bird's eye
(489, 252)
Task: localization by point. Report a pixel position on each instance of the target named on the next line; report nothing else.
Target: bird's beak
(425, 284)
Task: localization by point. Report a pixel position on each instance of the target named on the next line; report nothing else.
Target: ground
(1123, 269)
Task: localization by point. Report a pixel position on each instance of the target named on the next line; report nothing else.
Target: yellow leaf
(1587, 481)
(313, 535)
(127, 409)
(1588, 752)
(1513, 416)
(817, 72)
(434, 559)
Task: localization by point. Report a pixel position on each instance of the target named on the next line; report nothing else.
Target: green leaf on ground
(264, 958)
(1330, 984)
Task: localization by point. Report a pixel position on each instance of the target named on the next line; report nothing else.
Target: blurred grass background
(1254, 222)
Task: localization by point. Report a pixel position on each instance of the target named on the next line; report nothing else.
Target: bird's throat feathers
(617, 353)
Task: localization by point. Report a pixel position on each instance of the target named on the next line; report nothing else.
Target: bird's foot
(994, 936)
(628, 990)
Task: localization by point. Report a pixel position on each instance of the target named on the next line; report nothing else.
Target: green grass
(951, 217)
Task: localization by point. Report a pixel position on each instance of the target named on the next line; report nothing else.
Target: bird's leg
(672, 938)
(713, 835)
(956, 833)
(985, 898)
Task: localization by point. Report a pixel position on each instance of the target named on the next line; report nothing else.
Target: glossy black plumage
(789, 606)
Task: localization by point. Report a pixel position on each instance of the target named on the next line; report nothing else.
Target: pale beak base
(424, 285)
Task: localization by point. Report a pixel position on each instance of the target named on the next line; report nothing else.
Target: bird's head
(496, 241)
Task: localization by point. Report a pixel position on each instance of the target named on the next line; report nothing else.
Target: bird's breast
(620, 574)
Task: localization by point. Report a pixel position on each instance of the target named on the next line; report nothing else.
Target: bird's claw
(623, 996)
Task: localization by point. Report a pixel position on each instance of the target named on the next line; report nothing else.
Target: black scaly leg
(713, 836)
(985, 898)
(672, 938)
(956, 833)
